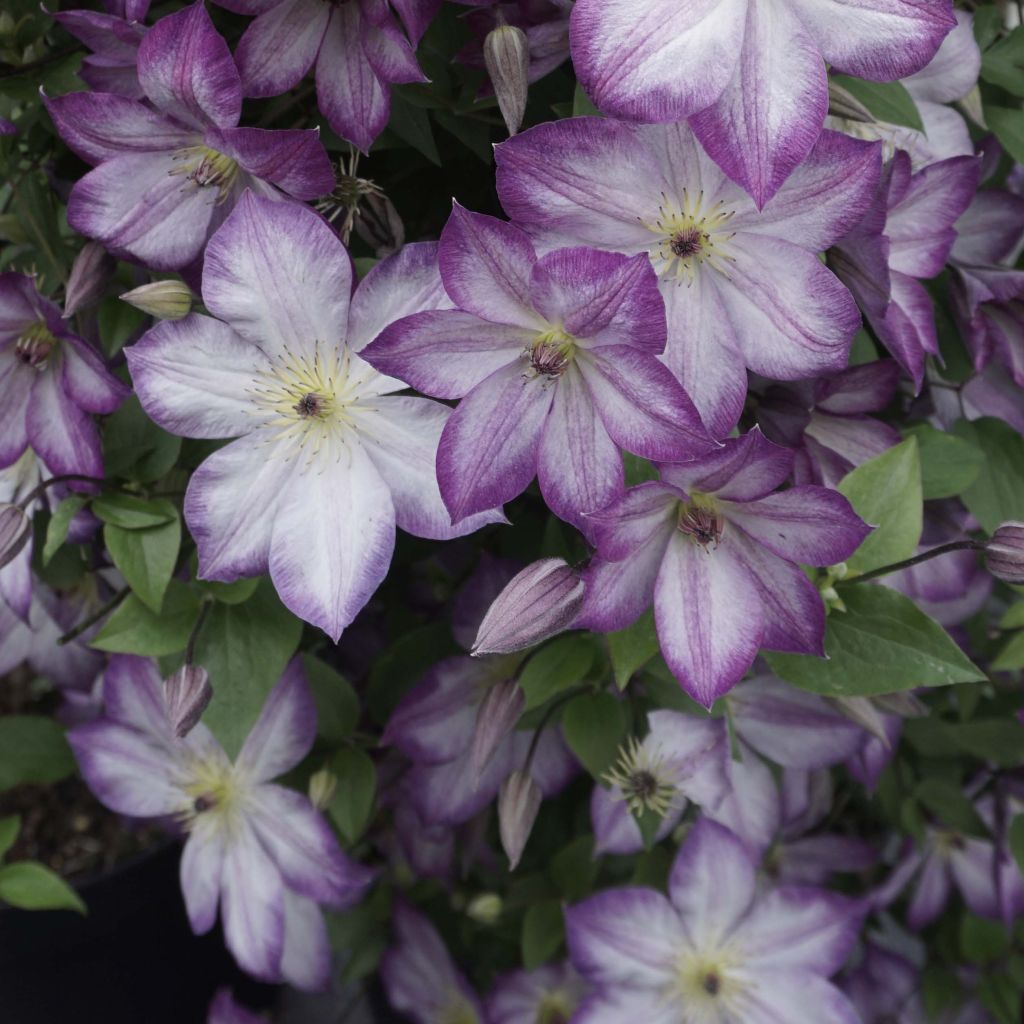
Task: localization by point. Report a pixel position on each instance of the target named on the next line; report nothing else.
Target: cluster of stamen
(554, 1008)
(701, 523)
(34, 346)
(211, 790)
(705, 980)
(640, 779)
(345, 203)
(550, 354)
(690, 236)
(207, 168)
(457, 1010)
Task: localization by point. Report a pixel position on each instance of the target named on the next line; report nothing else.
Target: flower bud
(507, 57)
(496, 717)
(905, 704)
(485, 909)
(186, 694)
(322, 786)
(379, 225)
(1004, 553)
(862, 711)
(166, 300)
(842, 103)
(536, 604)
(15, 530)
(90, 273)
(518, 803)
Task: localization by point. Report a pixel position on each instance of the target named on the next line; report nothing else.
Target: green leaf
(60, 523)
(231, 593)
(543, 933)
(118, 322)
(1011, 656)
(9, 829)
(638, 470)
(1013, 617)
(946, 801)
(594, 726)
(337, 706)
(131, 513)
(582, 106)
(135, 629)
(981, 941)
(949, 464)
(553, 669)
(352, 803)
(631, 648)
(1003, 64)
(31, 886)
(882, 643)
(245, 648)
(412, 125)
(134, 447)
(1015, 837)
(997, 495)
(574, 868)
(998, 994)
(474, 135)
(32, 749)
(888, 101)
(886, 493)
(988, 23)
(1008, 125)
(146, 558)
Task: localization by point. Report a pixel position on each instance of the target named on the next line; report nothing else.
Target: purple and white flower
(546, 995)
(327, 460)
(555, 360)
(256, 849)
(169, 171)
(742, 287)
(718, 554)
(114, 37)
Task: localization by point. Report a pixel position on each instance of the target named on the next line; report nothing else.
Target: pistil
(34, 346)
(208, 168)
(690, 236)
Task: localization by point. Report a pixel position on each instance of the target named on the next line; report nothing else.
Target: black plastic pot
(132, 960)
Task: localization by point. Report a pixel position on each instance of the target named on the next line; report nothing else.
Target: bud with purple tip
(518, 804)
(15, 530)
(90, 273)
(1004, 553)
(187, 693)
(539, 602)
(496, 717)
(507, 56)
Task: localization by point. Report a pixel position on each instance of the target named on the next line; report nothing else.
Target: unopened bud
(862, 711)
(322, 786)
(166, 300)
(379, 225)
(906, 705)
(1004, 553)
(536, 604)
(485, 909)
(186, 694)
(495, 718)
(518, 803)
(15, 530)
(90, 273)
(842, 103)
(507, 56)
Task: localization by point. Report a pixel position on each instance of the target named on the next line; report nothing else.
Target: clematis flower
(114, 37)
(420, 978)
(881, 981)
(825, 421)
(168, 173)
(258, 850)
(50, 382)
(327, 461)
(717, 552)
(906, 236)
(546, 995)
(357, 47)
(750, 75)
(742, 288)
(555, 362)
(716, 948)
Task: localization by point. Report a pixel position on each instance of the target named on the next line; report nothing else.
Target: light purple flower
(555, 360)
(114, 40)
(50, 382)
(358, 49)
(717, 949)
(825, 421)
(327, 460)
(258, 850)
(419, 976)
(742, 288)
(718, 554)
(905, 237)
(168, 173)
(546, 995)
(881, 982)
(749, 74)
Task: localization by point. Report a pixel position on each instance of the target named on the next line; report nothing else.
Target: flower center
(207, 168)
(456, 1011)
(701, 522)
(690, 236)
(34, 346)
(211, 790)
(641, 779)
(555, 1008)
(704, 981)
(551, 353)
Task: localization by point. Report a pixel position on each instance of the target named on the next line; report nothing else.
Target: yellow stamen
(689, 237)
(208, 168)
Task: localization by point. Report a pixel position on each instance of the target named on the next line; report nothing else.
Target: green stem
(956, 545)
(94, 618)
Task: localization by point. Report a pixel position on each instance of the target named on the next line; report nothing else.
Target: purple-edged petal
(488, 450)
(293, 160)
(779, 995)
(389, 53)
(953, 71)
(202, 867)
(62, 435)
(613, 1005)
(280, 46)
(709, 617)
(186, 70)
(306, 957)
(486, 265)
(615, 829)
(990, 229)
(280, 277)
(908, 327)
(86, 380)
(643, 512)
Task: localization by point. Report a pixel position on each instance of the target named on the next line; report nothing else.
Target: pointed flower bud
(536, 604)
(485, 909)
(15, 530)
(495, 718)
(379, 225)
(186, 694)
(90, 273)
(507, 56)
(518, 803)
(1004, 553)
(322, 786)
(166, 300)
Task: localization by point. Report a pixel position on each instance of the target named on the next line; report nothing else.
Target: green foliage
(997, 495)
(60, 523)
(543, 933)
(31, 886)
(594, 726)
(352, 803)
(949, 464)
(559, 666)
(134, 447)
(888, 101)
(1003, 63)
(133, 628)
(147, 556)
(1008, 124)
(32, 749)
(631, 648)
(9, 829)
(337, 706)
